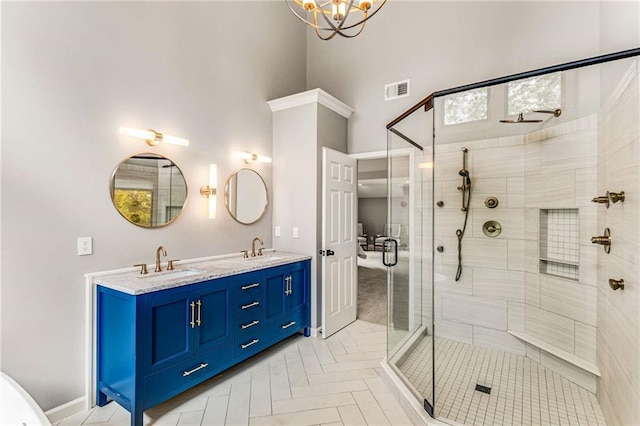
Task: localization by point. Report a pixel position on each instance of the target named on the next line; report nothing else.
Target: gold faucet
(164, 253)
(253, 247)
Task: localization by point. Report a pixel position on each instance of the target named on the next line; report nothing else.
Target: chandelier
(331, 17)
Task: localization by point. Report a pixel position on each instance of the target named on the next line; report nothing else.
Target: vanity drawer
(248, 345)
(244, 326)
(251, 307)
(183, 375)
(287, 325)
(248, 290)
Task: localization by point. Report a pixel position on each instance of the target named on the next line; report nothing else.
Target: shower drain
(483, 389)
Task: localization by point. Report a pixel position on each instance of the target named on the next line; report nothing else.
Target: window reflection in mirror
(245, 196)
(148, 190)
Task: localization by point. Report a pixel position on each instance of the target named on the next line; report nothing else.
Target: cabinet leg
(101, 399)
(137, 418)
(307, 332)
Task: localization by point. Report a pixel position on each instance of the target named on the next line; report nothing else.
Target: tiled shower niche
(559, 243)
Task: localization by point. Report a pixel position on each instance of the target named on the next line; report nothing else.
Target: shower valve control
(491, 202)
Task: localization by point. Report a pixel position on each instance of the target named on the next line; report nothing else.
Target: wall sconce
(210, 191)
(250, 158)
(152, 137)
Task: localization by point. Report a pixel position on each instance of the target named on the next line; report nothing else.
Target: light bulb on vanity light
(249, 157)
(152, 137)
(210, 191)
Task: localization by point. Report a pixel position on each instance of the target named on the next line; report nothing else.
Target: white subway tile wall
(617, 339)
(544, 182)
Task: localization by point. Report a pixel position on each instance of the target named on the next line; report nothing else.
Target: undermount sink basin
(169, 275)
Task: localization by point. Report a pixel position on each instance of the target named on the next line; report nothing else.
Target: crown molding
(309, 97)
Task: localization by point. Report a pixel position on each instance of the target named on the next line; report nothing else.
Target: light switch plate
(85, 246)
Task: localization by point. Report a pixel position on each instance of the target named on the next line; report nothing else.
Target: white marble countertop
(192, 271)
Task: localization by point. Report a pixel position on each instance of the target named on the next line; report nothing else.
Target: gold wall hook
(616, 196)
(616, 284)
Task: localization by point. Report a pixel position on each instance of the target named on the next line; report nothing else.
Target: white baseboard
(315, 332)
(65, 410)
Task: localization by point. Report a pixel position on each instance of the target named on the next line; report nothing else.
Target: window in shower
(466, 107)
(542, 92)
(559, 243)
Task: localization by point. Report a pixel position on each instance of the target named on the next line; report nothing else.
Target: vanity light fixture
(210, 191)
(248, 157)
(152, 137)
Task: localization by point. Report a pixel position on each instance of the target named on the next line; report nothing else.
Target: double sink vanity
(159, 334)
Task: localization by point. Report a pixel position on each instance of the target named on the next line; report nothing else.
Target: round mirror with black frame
(245, 196)
(148, 190)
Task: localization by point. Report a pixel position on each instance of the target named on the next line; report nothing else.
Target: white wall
(439, 45)
(72, 74)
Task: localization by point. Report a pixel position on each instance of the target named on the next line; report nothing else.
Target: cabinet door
(167, 331)
(275, 294)
(212, 314)
(298, 287)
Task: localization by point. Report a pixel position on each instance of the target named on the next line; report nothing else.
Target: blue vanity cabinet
(155, 345)
(287, 300)
(187, 338)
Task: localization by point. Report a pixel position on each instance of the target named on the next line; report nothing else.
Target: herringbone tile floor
(302, 381)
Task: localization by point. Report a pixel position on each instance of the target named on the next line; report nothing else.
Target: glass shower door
(406, 253)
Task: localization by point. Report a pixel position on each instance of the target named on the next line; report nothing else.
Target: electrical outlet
(296, 234)
(85, 246)
(277, 231)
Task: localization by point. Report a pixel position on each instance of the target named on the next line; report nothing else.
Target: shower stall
(514, 297)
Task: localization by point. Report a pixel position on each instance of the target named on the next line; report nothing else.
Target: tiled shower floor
(523, 392)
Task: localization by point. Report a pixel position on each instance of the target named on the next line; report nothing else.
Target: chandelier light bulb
(338, 11)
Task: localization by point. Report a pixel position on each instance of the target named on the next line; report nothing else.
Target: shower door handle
(385, 250)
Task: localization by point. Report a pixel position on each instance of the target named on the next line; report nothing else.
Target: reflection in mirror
(148, 190)
(245, 196)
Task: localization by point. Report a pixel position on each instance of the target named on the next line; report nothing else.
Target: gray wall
(372, 213)
(439, 45)
(72, 74)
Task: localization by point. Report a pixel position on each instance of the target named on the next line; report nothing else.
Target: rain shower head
(556, 113)
(520, 119)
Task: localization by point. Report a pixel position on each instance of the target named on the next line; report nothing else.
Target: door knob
(330, 252)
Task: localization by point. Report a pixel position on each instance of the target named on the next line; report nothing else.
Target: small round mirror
(148, 190)
(245, 195)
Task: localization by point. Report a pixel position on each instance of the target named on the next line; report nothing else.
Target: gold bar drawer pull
(188, 373)
(288, 325)
(251, 324)
(250, 305)
(247, 287)
(246, 345)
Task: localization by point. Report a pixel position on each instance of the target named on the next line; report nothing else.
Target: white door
(339, 242)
